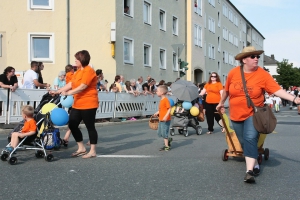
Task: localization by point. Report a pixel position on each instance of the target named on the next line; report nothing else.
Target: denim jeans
(248, 136)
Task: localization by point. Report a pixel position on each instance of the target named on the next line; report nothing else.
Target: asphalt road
(129, 166)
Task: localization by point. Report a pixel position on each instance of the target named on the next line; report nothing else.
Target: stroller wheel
(199, 130)
(13, 160)
(172, 132)
(49, 157)
(266, 154)
(185, 133)
(39, 154)
(4, 156)
(180, 131)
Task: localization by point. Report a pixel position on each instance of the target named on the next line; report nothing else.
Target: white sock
(256, 166)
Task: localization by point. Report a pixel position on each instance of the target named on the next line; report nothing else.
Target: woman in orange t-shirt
(83, 88)
(257, 80)
(213, 89)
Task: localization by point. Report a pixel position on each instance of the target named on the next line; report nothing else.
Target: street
(129, 166)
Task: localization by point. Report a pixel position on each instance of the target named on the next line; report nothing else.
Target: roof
(269, 60)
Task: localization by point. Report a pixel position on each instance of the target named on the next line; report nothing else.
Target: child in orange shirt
(164, 117)
(28, 129)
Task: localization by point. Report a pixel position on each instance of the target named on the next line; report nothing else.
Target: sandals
(88, 156)
(65, 143)
(77, 154)
(209, 132)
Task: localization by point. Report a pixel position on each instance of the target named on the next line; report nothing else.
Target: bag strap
(249, 101)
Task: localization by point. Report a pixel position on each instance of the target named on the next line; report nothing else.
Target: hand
(53, 92)
(219, 106)
(64, 93)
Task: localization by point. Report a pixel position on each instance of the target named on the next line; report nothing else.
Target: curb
(97, 124)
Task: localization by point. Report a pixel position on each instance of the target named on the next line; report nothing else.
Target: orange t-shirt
(88, 98)
(257, 82)
(164, 106)
(29, 126)
(213, 92)
(69, 76)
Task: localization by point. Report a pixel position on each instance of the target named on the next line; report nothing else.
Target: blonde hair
(28, 111)
(163, 88)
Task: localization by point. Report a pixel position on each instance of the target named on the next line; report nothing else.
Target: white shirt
(29, 76)
(277, 100)
(269, 101)
(139, 86)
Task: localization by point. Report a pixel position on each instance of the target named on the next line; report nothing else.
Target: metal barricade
(20, 98)
(128, 105)
(3, 102)
(106, 107)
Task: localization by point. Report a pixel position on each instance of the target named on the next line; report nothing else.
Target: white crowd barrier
(111, 105)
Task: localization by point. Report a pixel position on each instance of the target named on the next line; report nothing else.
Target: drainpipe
(68, 32)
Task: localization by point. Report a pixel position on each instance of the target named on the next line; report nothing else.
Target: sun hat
(247, 51)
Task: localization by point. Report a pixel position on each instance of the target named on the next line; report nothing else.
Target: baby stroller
(183, 119)
(234, 146)
(34, 142)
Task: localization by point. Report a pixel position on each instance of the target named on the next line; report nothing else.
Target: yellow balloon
(172, 110)
(194, 111)
(48, 107)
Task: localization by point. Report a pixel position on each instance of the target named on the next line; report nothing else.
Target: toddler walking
(164, 117)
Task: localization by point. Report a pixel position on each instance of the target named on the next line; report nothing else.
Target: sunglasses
(213, 77)
(253, 56)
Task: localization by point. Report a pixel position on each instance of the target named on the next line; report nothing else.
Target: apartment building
(225, 32)
(128, 37)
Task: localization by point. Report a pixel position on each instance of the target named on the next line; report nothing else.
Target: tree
(288, 75)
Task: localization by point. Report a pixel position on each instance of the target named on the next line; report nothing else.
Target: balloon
(187, 105)
(67, 101)
(196, 105)
(48, 107)
(194, 111)
(173, 110)
(171, 102)
(59, 117)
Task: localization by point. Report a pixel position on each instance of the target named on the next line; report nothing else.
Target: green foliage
(288, 75)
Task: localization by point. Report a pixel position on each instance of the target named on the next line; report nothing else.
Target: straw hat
(247, 51)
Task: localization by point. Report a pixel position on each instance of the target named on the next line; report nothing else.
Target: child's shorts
(163, 129)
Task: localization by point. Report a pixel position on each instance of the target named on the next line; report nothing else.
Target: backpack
(51, 135)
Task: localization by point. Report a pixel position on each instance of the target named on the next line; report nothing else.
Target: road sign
(178, 48)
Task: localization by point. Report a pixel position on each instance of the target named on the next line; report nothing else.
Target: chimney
(272, 56)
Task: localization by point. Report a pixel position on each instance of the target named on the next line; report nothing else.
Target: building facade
(271, 64)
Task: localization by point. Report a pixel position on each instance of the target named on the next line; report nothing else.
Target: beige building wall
(89, 29)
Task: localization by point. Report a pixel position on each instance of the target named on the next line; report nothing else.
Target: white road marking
(125, 156)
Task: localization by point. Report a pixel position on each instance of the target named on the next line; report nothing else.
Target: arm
(77, 90)
(203, 92)
(283, 94)
(167, 114)
(37, 84)
(224, 96)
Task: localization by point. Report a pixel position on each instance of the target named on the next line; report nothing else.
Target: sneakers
(170, 141)
(249, 177)
(165, 148)
(9, 149)
(256, 171)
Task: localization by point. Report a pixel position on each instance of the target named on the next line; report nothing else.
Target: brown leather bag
(264, 119)
(200, 117)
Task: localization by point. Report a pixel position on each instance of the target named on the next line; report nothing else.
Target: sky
(279, 22)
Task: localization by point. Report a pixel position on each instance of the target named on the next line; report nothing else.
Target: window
(225, 57)
(225, 10)
(175, 25)
(212, 2)
(41, 47)
(162, 20)
(197, 35)
(162, 58)
(198, 7)
(211, 51)
(211, 24)
(128, 8)
(175, 62)
(128, 51)
(41, 4)
(225, 33)
(147, 55)
(147, 12)
(230, 15)
(0, 45)
(219, 45)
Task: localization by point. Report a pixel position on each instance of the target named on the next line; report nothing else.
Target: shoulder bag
(264, 119)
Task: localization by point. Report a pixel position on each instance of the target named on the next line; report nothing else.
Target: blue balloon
(171, 102)
(67, 101)
(59, 117)
(187, 105)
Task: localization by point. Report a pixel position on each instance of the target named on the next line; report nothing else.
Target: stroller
(34, 142)
(234, 146)
(183, 119)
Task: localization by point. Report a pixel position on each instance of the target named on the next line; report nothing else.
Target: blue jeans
(248, 136)
(163, 129)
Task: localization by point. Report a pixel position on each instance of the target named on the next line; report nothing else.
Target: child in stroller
(183, 119)
(25, 133)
